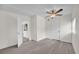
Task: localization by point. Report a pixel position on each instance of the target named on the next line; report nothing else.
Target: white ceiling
(37, 9)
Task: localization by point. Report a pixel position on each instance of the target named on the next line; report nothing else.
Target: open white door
(19, 31)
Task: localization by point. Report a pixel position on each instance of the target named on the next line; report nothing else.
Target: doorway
(25, 32)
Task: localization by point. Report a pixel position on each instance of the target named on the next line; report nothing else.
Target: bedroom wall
(11, 32)
(8, 29)
(33, 27)
(37, 27)
(65, 28)
(59, 28)
(75, 25)
(40, 28)
(52, 28)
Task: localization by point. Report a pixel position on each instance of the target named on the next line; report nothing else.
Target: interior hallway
(46, 46)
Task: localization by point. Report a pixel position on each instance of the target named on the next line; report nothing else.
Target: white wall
(65, 28)
(40, 28)
(59, 28)
(8, 29)
(33, 27)
(76, 40)
(52, 28)
(11, 32)
(37, 27)
(75, 37)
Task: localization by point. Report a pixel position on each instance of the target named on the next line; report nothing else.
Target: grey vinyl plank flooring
(46, 46)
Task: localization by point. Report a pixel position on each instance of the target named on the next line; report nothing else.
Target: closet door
(65, 29)
(52, 28)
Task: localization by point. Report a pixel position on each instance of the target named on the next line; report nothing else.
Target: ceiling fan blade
(48, 12)
(59, 14)
(59, 11)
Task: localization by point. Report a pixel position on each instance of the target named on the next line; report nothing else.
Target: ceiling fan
(53, 13)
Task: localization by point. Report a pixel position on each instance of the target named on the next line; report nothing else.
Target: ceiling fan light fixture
(53, 15)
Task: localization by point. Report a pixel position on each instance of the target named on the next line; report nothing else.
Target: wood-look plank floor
(45, 46)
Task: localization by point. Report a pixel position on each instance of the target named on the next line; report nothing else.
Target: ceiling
(37, 9)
